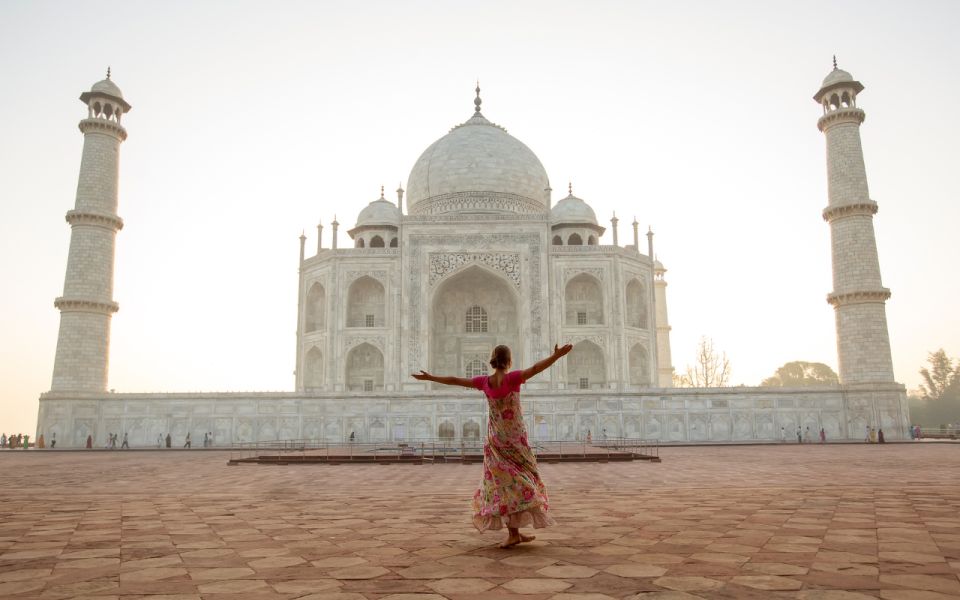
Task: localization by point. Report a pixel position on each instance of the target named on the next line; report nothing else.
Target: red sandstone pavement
(840, 522)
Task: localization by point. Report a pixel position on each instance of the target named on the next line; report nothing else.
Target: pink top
(511, 383)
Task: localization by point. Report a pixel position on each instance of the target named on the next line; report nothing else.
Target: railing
(436, 450)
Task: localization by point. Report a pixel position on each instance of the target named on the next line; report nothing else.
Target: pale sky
(251, 121)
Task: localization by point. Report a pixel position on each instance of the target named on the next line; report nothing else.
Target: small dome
(572, 210)
(836, 76)
(380, 212)
(658, 266)
(107, 87)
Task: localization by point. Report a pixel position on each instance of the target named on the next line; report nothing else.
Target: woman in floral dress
(511, 492)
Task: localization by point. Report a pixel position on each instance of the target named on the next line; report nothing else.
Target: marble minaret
(86, 306)
(858, 297)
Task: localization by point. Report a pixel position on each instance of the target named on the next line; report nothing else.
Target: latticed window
(476, 320)
(368, 385)
(581, 318)
(371, 322)
(476, 368)
(584, 383)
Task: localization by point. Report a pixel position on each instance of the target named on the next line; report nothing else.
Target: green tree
(802, 374)
(938, 401)
(942, 379)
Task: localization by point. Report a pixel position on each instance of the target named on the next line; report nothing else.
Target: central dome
(477, 168)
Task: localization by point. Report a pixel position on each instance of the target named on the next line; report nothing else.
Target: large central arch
(470, 313)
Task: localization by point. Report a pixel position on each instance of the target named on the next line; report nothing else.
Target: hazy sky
(251, 121)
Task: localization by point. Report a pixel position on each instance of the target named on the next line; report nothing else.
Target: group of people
(22, 440)
(803, 435)
(874, 436)
(914, 432)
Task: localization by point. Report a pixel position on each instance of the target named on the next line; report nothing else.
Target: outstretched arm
(543, 365)
(461, 381)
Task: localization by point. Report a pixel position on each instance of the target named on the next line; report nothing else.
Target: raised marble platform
(667, 415)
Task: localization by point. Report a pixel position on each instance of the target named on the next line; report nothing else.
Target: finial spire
(477, 101)
(570, 187)
(108, 72)
(381, 193)
(834, 62)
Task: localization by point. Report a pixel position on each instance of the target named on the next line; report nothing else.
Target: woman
(511, 493)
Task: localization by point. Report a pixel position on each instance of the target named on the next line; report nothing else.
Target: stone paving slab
(812, 522)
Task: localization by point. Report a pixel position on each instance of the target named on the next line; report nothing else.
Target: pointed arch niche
(365, 303)
(313, 369)
(637, 300)
(315, 309)
(364, 369)
(639, 366)
(471, 312)
(586, 367)
(583, 301)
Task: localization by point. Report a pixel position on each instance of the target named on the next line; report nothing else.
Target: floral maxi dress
(511, 493)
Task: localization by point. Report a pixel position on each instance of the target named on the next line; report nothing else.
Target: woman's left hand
(422, 376)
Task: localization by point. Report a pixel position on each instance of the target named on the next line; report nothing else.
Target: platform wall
(668, 415)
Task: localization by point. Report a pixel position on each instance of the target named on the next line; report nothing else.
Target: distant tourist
(125, 443)
(41, 442)
(3, 441)
(823, 436)
(872, 436)
(511, 493)
(353, 436)
(186, 443)
(880, 436)
(867, 438)
(799, 435)
(206, 439)
(169, 440)
(916, 432)
(806, 434)
(89, 442)
(589, 437)
(53, 440)
(26, 442)
(159, 440)
(783, 433)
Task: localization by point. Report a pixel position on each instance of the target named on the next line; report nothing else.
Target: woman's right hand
(422, 376)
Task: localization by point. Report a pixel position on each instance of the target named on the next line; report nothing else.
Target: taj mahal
(475, 252)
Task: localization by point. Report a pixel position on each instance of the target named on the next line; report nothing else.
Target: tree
(942, 379)
(709, 369)
(802, 374)
(938, 400)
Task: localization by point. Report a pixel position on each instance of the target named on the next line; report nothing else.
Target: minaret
(87, 306)
(400, 198)
(335, 226)
(613, 225)
(319, 237)
(858, 297)
(664, 359)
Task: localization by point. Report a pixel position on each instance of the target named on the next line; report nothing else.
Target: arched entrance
(471, 312)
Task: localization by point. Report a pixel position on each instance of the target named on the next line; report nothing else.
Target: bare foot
(513, 540)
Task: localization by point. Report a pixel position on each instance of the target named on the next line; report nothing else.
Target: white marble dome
(478, 158)
(836, 76)
(380, 212)
(107, 87)
(572, 210)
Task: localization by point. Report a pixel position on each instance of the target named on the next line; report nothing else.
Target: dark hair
(500, 357)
